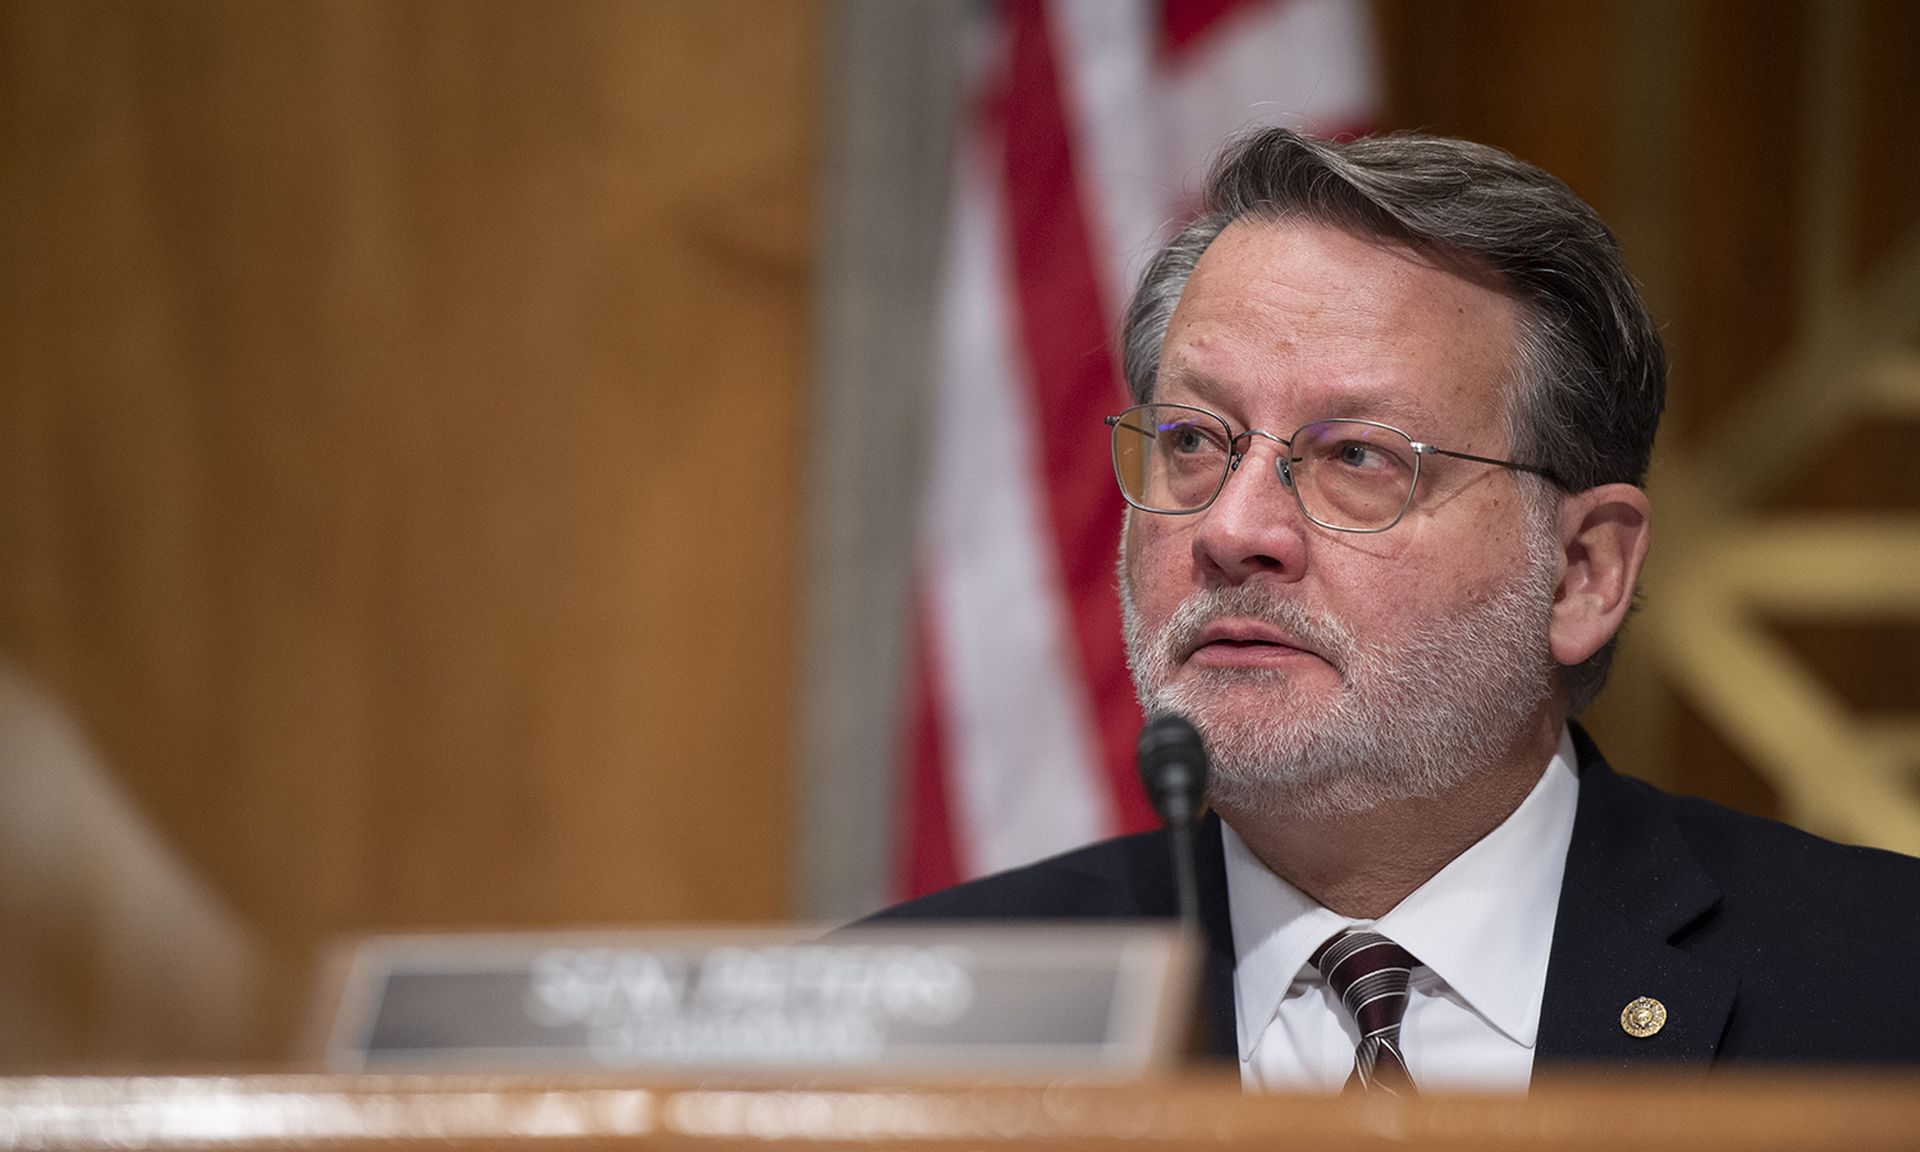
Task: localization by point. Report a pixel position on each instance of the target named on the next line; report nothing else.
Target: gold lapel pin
(1643, 1017)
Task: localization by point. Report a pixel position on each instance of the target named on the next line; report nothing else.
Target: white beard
(1414, 718)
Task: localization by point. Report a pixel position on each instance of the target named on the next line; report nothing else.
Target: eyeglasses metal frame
(1237, 444)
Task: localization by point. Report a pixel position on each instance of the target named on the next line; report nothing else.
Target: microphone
(1173, 768)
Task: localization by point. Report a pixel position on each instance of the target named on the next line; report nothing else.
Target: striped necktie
(1369, 973)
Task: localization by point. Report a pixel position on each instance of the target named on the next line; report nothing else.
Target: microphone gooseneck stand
(1173, 768)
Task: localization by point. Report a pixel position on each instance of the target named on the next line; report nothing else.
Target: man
(1394, 402)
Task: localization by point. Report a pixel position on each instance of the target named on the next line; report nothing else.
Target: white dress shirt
(1481, 928)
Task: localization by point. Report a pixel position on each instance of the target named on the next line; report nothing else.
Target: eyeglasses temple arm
(1548, 473)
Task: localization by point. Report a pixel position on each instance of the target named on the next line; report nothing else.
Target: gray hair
(1590, 375)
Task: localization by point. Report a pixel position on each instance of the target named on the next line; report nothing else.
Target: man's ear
(1604, 534)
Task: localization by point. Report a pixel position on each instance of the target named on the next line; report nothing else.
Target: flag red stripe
(1184, 23)
(1066, 344)
(927, 860)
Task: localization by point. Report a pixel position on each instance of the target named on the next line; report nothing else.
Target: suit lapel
(1633, 889)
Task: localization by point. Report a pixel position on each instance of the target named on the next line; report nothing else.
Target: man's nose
(1255, 526)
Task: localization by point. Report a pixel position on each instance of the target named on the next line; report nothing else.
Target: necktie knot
(1370, 974)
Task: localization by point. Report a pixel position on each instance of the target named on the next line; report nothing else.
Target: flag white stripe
(1306, 63)
(1112, 94)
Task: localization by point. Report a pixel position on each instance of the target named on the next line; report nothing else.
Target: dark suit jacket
(1763, 942)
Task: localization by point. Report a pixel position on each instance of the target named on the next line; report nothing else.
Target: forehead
(1321, 322)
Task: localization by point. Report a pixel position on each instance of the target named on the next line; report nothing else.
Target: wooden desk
(1768, 1111)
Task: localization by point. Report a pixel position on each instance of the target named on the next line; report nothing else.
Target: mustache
(1319, 632)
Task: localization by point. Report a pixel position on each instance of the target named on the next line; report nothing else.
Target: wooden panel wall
(1690, 124)
(400, 415)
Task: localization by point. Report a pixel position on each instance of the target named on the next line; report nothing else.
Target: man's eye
(1360, 455)
(1187, 439)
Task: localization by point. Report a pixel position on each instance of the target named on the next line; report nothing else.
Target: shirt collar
(1483, 924)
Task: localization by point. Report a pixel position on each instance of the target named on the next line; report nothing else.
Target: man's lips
(1242, 641)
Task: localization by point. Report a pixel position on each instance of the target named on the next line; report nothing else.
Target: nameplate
(1104, 1000)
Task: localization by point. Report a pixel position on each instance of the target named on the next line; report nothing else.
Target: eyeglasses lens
(1170, 458)
(1354, 475)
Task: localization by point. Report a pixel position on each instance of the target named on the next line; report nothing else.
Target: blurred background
(478, 464)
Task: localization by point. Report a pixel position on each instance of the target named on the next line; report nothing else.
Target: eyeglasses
(1349, 475)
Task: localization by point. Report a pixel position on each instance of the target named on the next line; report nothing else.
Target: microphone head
(1173, 767)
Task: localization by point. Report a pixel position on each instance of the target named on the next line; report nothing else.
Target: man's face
(1333, 671)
